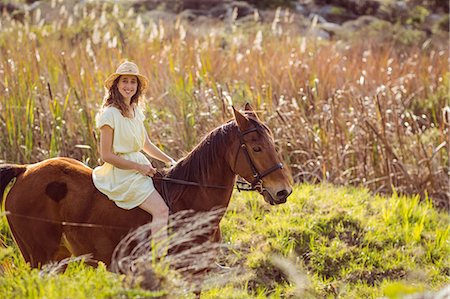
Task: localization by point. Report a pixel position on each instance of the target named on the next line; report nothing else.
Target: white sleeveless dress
(126, 187)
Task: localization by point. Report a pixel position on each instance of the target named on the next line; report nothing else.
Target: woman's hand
(146, 169)
(171, 163)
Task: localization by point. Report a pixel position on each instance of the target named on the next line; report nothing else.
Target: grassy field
(325, 242)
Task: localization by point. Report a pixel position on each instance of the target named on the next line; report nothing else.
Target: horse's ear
(242, 121)
(249, 109)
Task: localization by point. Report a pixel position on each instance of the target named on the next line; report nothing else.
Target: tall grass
(354, 112)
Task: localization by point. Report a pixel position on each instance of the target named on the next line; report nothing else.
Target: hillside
(324, 242)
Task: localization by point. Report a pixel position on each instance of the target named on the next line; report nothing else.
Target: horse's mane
(196, 166)
(197, 163)
(209, 150)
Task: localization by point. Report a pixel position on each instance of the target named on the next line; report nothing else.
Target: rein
(255, 184)
(188, 183)
(241, 185)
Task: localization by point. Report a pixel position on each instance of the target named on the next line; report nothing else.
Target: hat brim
(142, 79)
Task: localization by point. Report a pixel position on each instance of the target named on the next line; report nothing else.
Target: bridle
(256, 183)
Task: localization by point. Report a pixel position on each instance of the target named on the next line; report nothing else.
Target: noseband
(257, 176)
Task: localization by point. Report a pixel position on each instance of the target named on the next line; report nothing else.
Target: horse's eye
(256, 149)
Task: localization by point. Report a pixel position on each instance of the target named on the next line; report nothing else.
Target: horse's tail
(7, 173)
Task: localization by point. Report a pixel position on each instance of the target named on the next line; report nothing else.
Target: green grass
(346, 240)
(324, 242)
(78, 281)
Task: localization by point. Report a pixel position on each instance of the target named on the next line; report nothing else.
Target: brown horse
(50, 199)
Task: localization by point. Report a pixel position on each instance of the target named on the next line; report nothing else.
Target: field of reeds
(365, 111)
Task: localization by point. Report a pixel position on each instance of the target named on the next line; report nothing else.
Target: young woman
(125, 177)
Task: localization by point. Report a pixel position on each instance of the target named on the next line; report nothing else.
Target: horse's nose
(283, 194)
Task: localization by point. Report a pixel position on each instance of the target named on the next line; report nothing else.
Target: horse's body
(49, 196)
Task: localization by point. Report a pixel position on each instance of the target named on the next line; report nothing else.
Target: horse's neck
(216, 172)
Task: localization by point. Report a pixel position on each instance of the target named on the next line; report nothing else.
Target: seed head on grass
(186, 259)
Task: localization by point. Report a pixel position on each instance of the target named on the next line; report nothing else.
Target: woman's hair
(114, 98)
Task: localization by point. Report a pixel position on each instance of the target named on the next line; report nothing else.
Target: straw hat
(127, 68)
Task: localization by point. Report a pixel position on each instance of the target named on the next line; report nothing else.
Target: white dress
(126, 187)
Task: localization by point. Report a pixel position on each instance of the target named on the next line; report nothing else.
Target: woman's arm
(107, 154)
(155, 152)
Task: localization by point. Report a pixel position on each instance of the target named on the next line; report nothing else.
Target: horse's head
(256, 159)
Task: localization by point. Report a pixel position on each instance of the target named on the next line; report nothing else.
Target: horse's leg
(22, 246)
(92, 241)
(62, 252)
(217, 235)
(39, 243)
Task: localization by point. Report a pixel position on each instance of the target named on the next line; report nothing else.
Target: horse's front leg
(217, 235)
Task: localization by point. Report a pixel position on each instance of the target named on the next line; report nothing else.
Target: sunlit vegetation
(370, 110)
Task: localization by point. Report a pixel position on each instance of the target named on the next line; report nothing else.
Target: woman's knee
(156, 206)
(161, 210)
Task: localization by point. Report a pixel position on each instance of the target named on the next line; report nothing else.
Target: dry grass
(352, 113)
(187, 261)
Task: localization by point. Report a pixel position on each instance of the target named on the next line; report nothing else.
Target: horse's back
(45, 184)
(61, 190)
(64, 185)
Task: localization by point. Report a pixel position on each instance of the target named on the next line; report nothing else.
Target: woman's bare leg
(155, 205)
